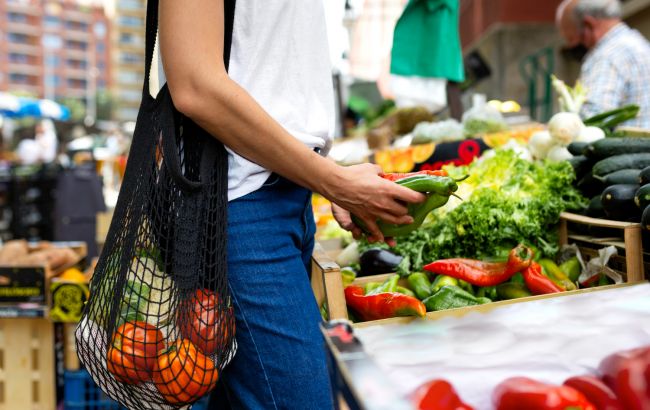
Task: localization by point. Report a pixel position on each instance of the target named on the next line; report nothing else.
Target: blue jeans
(280, 362)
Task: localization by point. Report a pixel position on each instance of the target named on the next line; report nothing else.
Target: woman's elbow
(193, 95)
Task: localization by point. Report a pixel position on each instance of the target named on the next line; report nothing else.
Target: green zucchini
(645, 219)
(581, 165)
(623, 176)
(595, 208)
(618, 162)
(590, 186)
(642, 197)
(644, 176)
(610, 147)
(618, 202)
(577, 148)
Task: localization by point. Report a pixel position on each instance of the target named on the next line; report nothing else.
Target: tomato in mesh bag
(133, 352)
(182, 373)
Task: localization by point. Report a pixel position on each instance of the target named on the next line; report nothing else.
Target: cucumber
(642, 197)
(618, 162)
(644, 176)
(595, 208)
(618, 202)
(581, 165)
(590, 186)
(610, 147)
(577, 148)
(645, 219)
(623, 176)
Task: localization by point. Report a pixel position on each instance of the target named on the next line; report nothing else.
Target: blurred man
(616, 67)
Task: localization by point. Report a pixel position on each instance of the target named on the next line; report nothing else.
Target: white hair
(599, 9)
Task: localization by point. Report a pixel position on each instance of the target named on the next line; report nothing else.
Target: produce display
(621, 384)
(506, 201)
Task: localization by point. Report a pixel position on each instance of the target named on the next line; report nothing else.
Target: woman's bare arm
(191, 43)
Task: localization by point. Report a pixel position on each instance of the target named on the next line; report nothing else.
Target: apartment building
(54, 48)
(128, 40)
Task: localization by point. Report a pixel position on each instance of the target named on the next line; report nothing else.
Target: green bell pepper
(442, 280)
(421, 285)
(512, 290)
(489, 292)
(348, 275)
(452, 297)
(389, 286)
(438, 190)
(405, 291)
(572, 269)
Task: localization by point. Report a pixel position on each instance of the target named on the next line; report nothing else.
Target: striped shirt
(616, 72)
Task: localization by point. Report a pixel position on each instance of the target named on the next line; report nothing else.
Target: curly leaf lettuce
(507, 201)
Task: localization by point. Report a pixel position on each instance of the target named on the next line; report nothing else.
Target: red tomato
(205, 327)
(133, 352)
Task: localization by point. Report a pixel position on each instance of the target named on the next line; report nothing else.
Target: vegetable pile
(507, 201)
(614, 173)
(622, 383)
(455, 283)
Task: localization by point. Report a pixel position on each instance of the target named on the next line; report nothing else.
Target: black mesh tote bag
(159, 326)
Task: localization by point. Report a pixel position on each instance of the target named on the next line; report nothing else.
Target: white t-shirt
(280, 56)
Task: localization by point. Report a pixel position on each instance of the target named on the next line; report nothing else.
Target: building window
(131, 21)
(76, 64)
(76, 45)
(100, 30)
(18, 38)
(76, 83)
(130, 95)
(101, 84)
(17, 18)
(52, 41)
(18, 58)
(53, 81)
(101, 48)
(18, 78)
(76, 25)
(131, 58)
(131, 5)
(52, 61)
(129, 77)
(51, 21)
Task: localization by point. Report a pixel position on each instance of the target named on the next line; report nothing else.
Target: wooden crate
(327, 283)
(629, 264)
(27, 373)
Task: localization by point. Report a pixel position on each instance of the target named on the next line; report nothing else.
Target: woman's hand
(361, 191)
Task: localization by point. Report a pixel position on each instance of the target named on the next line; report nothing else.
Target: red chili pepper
(438, 395)
(481, 273)
(628, 374)
(382, 305)
(596, 391)
(519, 393)
(537, 283)
(395, 176)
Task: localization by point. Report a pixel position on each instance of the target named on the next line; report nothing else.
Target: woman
(273, 110)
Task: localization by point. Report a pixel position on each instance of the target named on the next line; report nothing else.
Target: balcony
(30, 49)
(25, 68)
(23, 28)
(32, 9)
(77, 35)
(79, 16)
(76, 53)
(76, 73)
